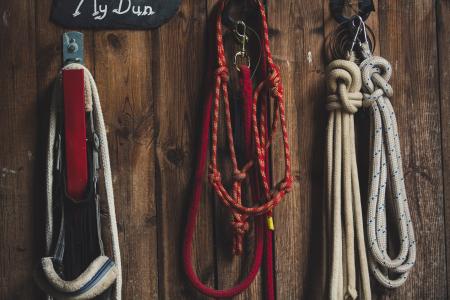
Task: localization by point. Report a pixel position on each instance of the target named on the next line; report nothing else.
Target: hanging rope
(342, 192)
(385, 167)
(257, 144)
(102, 272)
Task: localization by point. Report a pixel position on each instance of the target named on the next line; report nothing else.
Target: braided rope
(343, 195)
(273, 84)
(385, 163)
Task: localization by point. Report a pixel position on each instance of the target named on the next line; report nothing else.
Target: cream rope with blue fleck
(385, 168)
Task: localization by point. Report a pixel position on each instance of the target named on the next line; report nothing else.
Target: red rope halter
(255, 127)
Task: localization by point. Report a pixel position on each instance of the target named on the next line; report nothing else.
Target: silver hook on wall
(73, 47)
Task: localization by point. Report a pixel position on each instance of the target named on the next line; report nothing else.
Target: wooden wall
(150, 85)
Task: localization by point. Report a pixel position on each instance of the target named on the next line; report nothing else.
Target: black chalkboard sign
(113, 14)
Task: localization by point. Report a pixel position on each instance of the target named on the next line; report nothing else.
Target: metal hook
(227, 20)
(73, 47)
(362, 25)
(355, 37)
(365, 7)
(365, 47)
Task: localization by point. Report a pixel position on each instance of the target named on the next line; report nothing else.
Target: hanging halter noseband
(258, 140)
(66, 200)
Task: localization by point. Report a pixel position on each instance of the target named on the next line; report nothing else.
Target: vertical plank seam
(155, 69)
(438, 16)
(36, 59)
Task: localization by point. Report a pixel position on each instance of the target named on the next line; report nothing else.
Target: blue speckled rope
(385, 167)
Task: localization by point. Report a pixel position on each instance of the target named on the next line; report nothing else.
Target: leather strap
(75, 134)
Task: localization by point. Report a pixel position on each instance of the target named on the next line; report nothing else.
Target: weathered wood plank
(408, 41)
(151, 91)
(297, 47)
(178, 68)
(123, 75)
(443, 38)
(18, 161)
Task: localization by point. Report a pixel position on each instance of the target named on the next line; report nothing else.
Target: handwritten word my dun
(100, 11)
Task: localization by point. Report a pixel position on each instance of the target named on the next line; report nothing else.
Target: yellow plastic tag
(270, 223)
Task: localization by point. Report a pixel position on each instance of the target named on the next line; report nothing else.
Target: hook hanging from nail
(73, 47)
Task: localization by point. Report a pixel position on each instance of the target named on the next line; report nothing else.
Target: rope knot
(240, 225)
(344, 85)
(215, 177)
(275, 82)
(222, 73)
(239, 175)
(376, 72)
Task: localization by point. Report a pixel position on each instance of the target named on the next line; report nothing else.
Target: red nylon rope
(255, 127)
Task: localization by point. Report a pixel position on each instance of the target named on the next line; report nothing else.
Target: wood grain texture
(123, 75)
(413, 54)
(297, 38)
(18, 161)
(443, 36)
(151, 87)
(178, 73)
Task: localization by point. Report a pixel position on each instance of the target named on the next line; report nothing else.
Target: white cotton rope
(385, 169)
(342, 188)
(92, 103)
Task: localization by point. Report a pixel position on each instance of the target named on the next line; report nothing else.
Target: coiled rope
(88, 284)
(257, 144)
(385, 167)
(342, 188)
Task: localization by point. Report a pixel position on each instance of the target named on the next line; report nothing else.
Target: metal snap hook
(241, 57)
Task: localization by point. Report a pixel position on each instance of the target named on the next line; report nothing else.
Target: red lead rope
(255, 127)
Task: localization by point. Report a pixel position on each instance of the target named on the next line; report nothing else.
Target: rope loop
(386, 180)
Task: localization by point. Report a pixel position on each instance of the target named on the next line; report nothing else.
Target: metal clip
(73, 47)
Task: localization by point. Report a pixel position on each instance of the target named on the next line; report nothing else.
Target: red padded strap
(75, 134)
